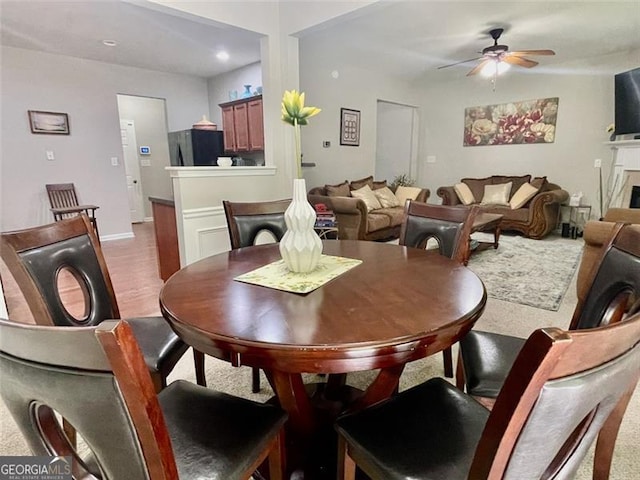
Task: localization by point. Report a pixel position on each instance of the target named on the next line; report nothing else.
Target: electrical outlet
(50, 155)
(326, 144)
(114, 161)
(431, 159)
(597, 163)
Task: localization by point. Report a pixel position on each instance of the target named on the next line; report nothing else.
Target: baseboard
(116, 236)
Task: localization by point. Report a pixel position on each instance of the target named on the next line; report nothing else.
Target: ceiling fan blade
(533, 52)
(458, 63)
(478, 67)
(520, 61)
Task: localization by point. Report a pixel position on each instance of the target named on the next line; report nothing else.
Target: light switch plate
(114, 161)
(50, 155)
(431, 159)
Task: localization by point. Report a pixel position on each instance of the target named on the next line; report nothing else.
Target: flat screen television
(627, 102)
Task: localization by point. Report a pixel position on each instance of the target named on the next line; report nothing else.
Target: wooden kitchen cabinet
(243, 125)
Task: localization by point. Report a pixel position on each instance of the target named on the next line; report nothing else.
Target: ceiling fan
(495, 55)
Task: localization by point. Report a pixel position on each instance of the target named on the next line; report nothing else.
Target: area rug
(529, 272)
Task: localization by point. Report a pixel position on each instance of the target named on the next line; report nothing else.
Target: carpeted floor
(534, 273)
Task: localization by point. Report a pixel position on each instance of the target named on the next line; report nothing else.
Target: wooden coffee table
(486, 222)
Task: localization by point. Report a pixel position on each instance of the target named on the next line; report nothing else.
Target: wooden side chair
(245, 221)
(37, 257)
(486, 358)
(450, 227)
(96, 378)
(64, 204)
(564, 387)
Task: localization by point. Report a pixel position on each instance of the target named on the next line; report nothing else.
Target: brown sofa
(536, 219)
(353, 219)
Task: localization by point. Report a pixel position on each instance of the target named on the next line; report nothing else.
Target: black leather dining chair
(450, 227)
(245, 221)
(485, 358)
(96, 378)
(563, 389)
(37, 258)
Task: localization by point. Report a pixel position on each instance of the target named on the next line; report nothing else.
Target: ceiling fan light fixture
(491, 69)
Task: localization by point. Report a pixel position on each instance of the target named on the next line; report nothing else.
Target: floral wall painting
(48, 122)
(532, 121)
(349, 127)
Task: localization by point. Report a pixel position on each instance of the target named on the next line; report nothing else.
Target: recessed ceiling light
(109, 43)
(222, 55)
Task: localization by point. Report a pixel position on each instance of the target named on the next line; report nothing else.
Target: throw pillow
(341, 190)
(476, 185)
(525, 193)
(464, 193)
(358, 184)
(386, 197)
(366, 194)
(407, 193)
(516, 182)
(380, 184)
(496, 194)
(540, 183)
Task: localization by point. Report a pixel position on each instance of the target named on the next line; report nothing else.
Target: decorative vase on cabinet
(247, 91)
(300, 247)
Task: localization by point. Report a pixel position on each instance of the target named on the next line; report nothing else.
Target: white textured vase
(300, 246)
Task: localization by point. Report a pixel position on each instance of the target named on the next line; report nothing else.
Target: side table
(578, 216)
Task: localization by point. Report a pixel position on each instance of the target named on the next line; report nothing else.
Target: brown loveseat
(355, 222)
(535, 219)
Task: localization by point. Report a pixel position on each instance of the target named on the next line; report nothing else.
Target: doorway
(396, 140)
(132, 170)
(145, 146)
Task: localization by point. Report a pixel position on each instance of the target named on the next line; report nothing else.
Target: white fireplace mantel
(627, 158)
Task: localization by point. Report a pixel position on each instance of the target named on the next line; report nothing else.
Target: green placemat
(276, 275)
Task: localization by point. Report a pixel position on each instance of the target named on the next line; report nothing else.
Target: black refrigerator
(192, 148)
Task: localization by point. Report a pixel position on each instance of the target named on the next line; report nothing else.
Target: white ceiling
(409, 38)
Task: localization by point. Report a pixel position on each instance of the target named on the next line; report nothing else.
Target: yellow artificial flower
(293, 109)
(295, 113)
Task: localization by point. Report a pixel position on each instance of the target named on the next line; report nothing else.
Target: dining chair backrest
(62, 195)
(557, 396)
(37, 257)
(246, 220)
(123, 429)
(615, 281)
(449, 226)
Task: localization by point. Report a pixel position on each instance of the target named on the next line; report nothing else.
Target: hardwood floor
(133, 268)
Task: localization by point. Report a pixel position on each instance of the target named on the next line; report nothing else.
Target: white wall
(354, 89)
(585, 109)
(86, 90)
(220, 86)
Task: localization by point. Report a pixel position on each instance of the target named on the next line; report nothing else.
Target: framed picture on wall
(53, 123)
(349, 127)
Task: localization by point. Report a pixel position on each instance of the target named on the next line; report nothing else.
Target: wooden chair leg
(277, 465)
(198, 363)
(607, 438)
(159, 382)
(460, 378)
(447, 358)
(255, 380)
(346, 465)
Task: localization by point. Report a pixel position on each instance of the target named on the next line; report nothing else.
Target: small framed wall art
(54, 123)
(349, 127)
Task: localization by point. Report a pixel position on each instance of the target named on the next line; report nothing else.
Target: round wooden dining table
(400, 304)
